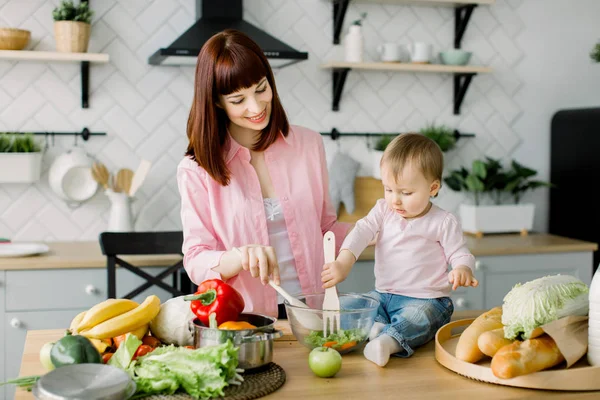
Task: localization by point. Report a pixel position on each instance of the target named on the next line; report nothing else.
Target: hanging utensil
(100, 174)
(140, 175)
(123, 180)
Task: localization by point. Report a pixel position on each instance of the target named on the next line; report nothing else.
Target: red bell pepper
(216, 296)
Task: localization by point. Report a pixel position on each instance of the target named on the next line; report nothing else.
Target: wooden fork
(331, 301)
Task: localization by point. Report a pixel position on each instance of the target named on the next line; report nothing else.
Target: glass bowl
(357, 315)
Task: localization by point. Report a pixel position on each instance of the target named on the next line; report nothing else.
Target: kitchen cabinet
(17, 324)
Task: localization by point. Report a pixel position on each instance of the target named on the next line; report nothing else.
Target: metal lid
(85, 382)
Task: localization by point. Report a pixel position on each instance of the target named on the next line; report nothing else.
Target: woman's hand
(462, 276)
(261, 261)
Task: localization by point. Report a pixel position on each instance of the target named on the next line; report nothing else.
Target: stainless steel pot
(255, 345)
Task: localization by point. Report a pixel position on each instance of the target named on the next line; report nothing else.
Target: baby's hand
(334, 273)
(462, 276)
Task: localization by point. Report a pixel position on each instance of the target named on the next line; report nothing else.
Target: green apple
(325, 362)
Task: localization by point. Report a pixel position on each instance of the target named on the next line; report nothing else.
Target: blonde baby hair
(418, 149)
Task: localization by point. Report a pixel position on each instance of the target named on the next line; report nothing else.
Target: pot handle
(263, 336)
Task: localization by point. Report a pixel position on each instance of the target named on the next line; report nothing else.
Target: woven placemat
(257, 383)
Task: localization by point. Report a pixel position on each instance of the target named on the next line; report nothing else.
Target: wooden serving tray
(580, 377)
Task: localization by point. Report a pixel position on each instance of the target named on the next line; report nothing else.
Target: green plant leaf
(479, 169)
(474, 184)
(455, 182)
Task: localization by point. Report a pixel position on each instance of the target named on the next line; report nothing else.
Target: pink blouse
(217, 218)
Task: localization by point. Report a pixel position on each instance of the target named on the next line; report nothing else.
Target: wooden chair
(115, 244)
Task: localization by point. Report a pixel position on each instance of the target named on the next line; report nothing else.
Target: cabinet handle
(478, 265)
(91, 289)
(16, 323)
(461, 302)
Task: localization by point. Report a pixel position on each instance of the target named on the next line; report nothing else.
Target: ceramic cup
(420, 52)
(389, 52)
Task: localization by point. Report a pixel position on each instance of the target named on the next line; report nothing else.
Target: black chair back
(115, 244)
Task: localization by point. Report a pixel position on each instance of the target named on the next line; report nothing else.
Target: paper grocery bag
(571, 337)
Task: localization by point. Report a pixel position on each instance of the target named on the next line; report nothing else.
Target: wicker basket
(71, 36)
(14, 39)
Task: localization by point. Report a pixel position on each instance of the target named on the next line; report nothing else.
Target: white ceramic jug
(354, 44)
(121, 218)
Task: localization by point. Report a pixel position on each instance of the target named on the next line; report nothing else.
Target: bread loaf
(491, 341)
(467, 348)
(521, 358)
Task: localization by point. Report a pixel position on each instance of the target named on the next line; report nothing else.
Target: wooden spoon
(123, 181)
(100, 174)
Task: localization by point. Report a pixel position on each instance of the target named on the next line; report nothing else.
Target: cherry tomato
(106, 357)
(142, 350)
(151, 341)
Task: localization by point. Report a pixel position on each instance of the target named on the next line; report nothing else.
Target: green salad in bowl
(342, 341)
(357, 315)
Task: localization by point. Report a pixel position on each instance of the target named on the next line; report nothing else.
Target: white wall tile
(144, 109)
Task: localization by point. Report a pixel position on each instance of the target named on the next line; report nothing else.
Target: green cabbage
(540, 301)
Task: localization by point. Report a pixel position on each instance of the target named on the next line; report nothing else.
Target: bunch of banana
(114, 317)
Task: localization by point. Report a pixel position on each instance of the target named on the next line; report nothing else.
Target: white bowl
(70, 176)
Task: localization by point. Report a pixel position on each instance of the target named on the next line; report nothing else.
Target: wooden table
(418, 377)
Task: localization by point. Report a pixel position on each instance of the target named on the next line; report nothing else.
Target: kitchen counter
(88, 254)
(419, 375)
(79, 255)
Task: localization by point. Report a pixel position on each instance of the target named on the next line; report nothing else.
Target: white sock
(376, 330)
(379, 350)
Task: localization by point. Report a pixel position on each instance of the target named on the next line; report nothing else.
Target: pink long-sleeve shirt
(217, 218)
(411, 256)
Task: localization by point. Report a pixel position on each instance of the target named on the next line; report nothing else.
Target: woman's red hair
(228, 61)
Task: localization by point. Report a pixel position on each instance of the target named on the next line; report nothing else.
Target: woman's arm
(201, 259)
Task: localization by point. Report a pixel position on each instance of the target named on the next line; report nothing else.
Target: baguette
(521, 358)
(467, 348)
(491, 341)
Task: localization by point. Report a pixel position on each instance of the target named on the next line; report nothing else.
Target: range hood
(214, 16)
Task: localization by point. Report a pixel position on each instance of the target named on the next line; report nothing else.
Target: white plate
(22, 249)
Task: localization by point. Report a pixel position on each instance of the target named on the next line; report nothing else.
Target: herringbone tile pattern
(144, 108)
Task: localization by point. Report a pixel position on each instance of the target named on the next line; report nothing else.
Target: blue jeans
(412, 322)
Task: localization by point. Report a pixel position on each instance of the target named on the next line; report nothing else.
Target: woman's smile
(258, 118)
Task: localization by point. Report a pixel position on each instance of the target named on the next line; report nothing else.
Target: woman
(254, 190)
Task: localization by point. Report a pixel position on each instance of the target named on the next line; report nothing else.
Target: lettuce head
(540, 301)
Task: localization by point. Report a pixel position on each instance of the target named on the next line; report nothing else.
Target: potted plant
(380, 146)
(440, 134)
(489, 182)
(20, 158)
(72, 26)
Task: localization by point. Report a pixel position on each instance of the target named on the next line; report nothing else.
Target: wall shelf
(462, 76)
(464, 9)
(50, 56)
